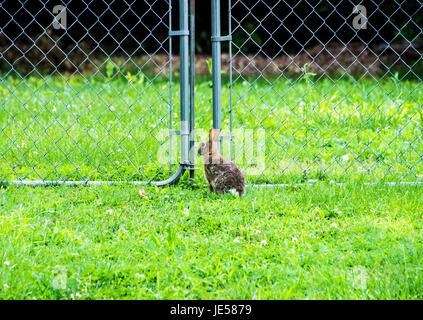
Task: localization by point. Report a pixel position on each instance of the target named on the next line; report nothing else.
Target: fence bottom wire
(40, 183)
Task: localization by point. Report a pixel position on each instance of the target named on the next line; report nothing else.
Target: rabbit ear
(217, 134)
(214, 138)
(214, 134)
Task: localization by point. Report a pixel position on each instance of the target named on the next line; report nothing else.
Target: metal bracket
(178, 133)
(174, 132)
(179, 33)
(226, 138)
(188, 166)
(221, 38)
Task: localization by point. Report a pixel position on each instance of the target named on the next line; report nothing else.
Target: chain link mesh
(345, 103)
(90, 100)
(93, 101)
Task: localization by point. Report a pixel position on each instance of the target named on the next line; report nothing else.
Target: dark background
(116, 25)
(134, 34)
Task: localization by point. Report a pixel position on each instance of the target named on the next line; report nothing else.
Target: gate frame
(186, 37)
(186, 34)
(216, 39)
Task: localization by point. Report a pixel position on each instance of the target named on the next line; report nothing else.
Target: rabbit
(222, 174)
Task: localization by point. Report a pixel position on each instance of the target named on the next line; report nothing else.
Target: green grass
(319, 242)
(324, 241)
(116, 128)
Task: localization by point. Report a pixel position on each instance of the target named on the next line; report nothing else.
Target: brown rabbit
(223, 175)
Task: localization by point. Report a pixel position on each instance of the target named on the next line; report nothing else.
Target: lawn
(320, 241)
(116, 127)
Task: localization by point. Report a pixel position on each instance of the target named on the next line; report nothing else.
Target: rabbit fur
(222, 174)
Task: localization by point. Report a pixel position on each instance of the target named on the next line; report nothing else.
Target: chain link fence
(86, 91)
(326, 90)
(311, 90)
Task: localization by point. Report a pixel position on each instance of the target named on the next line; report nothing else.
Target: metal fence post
(216, 65)
(184, 78)
(170, 89)
(192, 89)
(230, 79)
(184, 132)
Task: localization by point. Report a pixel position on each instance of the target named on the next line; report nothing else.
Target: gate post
(192, 88)
(183, 34)
(184, 79)
(216, 64)
(216, 39)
